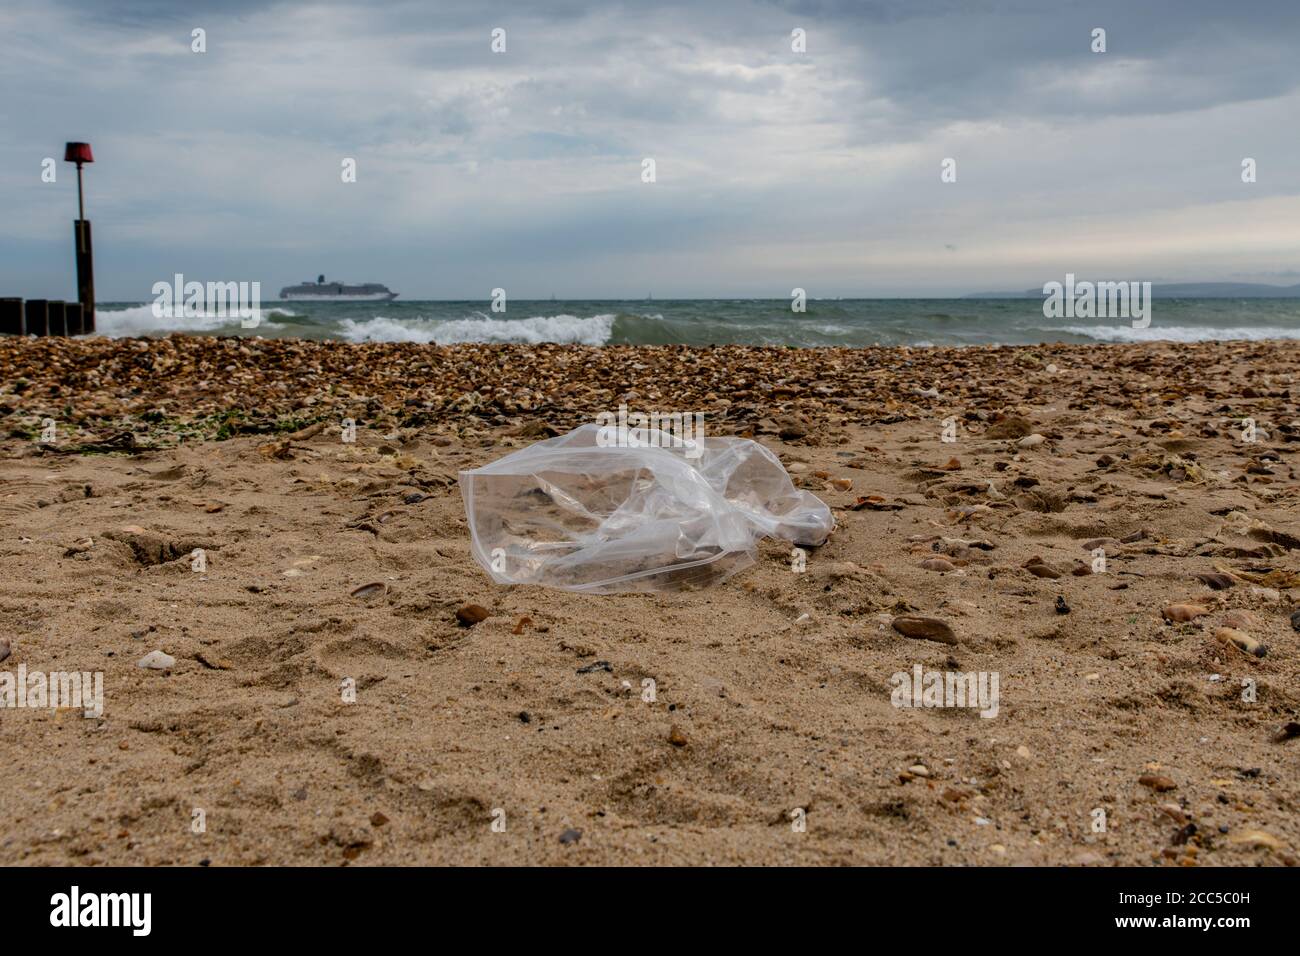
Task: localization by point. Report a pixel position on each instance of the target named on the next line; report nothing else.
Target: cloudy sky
(775, 169)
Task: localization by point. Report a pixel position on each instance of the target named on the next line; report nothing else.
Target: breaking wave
(561, 329)
(1177, 333)
(140, 320)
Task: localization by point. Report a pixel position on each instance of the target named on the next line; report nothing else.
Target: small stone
(156, 661)
(1255, 839)
(1010, 427)
(1107, 544)
(925, 628)
(471, 614)
(1216, 580)
(919, 770)
(1182, 613)
(1288, 731)
(676, 737)
(1295, 621)
(1032, 441)
(790, 429)
(1023, 752)
(368, 591)
(377, 819)
(938, 564)
(5, 648)
(1061, 606)
(1174, 812)
(570, 836)
(1157, 782)
(1240, 640)
(1040, 569)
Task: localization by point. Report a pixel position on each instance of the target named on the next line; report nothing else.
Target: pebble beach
(1111, 530)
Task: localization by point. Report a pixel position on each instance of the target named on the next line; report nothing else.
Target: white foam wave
(1177, 333)
(141, 320)
(562, 329)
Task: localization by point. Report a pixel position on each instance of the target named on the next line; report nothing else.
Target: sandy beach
(1130, 730)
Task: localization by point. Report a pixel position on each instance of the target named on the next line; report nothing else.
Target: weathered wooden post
(73, 311)
(38, 317)
(80, 153)
(56, 318)
(11, 316)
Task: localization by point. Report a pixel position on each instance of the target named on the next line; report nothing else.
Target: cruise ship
(322, 291)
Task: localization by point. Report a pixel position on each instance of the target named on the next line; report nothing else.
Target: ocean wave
(140, 320)
(560, 329)
(1177, 333)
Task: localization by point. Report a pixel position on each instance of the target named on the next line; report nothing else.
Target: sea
(837, 322)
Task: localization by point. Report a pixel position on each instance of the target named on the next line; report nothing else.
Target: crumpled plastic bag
(573, 513)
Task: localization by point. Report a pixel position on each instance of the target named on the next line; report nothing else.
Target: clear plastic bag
(650, 514)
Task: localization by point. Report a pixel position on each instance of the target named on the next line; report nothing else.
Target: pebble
(1295, 621)
(367, 591)
(1216, 580)
(470, 614)
(1255, 838)
(790, 428)
(927, 628)
(1288, 731)
(1156, 782)
(5, 648)
(1240, 640)
(1041, 569)
(570, 836)
(156, 661)
(938, 564)
(1061, 606)
(1182, 613)
(676, 736)
(1174, 812)
(1011, 427)
(1032, 441)
(919, 770)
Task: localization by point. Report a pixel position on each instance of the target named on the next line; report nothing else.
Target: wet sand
(772, 737)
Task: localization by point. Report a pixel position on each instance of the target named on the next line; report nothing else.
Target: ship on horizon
(322, 291)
